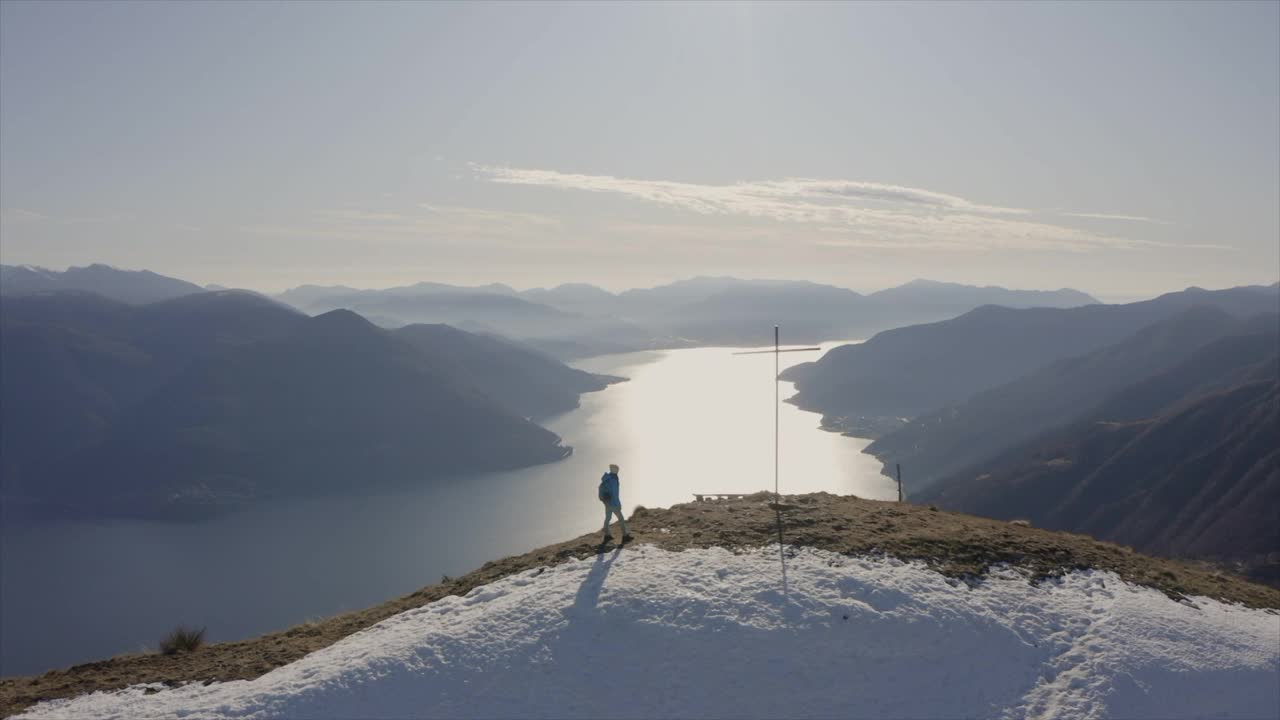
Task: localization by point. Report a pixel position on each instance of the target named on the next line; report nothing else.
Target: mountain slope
(130, 286)
(214, 398)
(912, 370)
(1199, 476)
(336, 405)
(71, 363)
(1215, 497)
(705, 612)
(942, 442)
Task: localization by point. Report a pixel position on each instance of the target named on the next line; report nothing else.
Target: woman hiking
(608, 494)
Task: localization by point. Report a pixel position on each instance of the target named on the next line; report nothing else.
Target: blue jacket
(608, 492)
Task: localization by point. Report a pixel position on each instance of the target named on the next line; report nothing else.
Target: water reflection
(702, 420)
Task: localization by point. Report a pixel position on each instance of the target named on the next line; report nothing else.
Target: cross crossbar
(762, 352)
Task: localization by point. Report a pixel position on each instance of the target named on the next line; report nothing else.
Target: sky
(1124, 149)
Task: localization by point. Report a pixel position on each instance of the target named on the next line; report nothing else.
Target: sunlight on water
(702, 420)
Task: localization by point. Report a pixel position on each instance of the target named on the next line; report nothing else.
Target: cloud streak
(22, 215)
(866, 214)
(423, 223)
(1123, 218)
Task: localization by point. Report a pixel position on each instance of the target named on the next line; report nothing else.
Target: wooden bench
(706, 497)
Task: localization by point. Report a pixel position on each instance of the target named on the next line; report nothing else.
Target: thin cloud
(21, 215)
(503, 217)
(31, 216)
(875, 214)
(1124, 218)
(868, 191)
(1206, 246)
(763, 196)
(437, 224)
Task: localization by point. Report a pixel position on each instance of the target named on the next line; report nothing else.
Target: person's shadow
(584, 603)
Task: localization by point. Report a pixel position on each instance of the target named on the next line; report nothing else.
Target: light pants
(609, 511)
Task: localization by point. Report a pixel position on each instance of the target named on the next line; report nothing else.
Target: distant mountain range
(932, 296)
(508, 315)
(307, 295)
(219, 398)
(578, 319)
(912, 370)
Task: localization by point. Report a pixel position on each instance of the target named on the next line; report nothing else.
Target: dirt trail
(956, 545)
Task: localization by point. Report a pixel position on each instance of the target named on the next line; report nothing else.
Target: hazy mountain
(644, 305)
(912, 370)
(16, 279)
(659, 300)
(504, 314)
(930, 295)
(169, 333)
(942, 442)
(746, 313)
(316, 299)
(1200, 477)
(575, 297)
(221, 397)
(529, 383)
(743, 312)
(562, 333)
(130, 286)
(578, 319)
(539, 325)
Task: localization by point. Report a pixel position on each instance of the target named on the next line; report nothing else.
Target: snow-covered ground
(709, 633)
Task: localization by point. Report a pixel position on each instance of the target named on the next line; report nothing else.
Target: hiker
(608, 494)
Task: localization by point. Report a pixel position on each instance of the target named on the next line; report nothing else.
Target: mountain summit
(869, 609)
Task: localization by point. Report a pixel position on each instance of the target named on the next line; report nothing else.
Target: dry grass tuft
(182, 639)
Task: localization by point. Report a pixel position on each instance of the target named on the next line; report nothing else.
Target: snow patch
(645, 632)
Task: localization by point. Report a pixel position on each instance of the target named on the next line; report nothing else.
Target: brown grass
(953, 544)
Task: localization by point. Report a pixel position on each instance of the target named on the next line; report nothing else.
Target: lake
(695, 420)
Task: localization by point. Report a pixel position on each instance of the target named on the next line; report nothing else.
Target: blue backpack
(605, 491)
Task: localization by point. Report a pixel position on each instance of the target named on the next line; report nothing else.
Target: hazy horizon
(1121, 150)
(618, 290)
